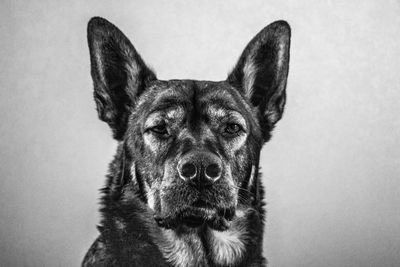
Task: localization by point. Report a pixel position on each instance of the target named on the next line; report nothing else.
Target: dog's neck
(204, 246)
(184, 249)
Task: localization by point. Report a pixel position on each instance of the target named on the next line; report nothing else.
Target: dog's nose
(213, 171)
(200, 168)
(188, 170)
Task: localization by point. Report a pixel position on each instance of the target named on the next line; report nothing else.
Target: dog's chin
(195, 217)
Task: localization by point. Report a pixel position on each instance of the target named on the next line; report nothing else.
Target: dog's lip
(201, 212)
(202, 204)
(217, 217)
(207, 213)
(197, 216)
(193, 221)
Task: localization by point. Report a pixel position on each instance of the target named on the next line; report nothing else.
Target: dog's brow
(166, 103)
(174, 112)
(221, 111)
(224, 103)
(169, 113)
(215, 111)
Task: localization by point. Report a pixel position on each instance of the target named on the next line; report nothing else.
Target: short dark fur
(185, 127)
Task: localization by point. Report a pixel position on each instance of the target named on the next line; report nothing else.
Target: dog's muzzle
(202, 173)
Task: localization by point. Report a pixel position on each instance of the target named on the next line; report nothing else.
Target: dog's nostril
(188, 170)
(213, 171)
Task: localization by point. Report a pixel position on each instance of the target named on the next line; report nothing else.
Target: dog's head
(194, 145)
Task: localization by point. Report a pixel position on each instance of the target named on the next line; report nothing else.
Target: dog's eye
(232, 128)
(160, 129)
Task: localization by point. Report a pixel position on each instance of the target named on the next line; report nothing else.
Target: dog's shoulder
(97, 255)
(125, 235)
(102, 254)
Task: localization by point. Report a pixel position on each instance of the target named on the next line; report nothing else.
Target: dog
(184, 187)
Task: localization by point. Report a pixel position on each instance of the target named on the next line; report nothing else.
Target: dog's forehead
(206, 95)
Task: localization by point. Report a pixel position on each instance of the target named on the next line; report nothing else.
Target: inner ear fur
(119, 74)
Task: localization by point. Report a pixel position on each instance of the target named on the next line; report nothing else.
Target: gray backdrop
(331, 171)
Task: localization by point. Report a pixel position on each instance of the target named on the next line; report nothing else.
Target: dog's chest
(182, 250)
(221, 248)
(226, 247)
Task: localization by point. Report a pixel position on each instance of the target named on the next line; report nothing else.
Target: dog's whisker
(242, 189)
(243, 199)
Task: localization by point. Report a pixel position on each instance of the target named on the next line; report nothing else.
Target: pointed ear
(261, 72)
(119, 74)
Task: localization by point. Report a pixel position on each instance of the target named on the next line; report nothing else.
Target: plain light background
(331, 171)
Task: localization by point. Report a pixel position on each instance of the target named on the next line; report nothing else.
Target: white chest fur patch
(227, 247)
(182, 251)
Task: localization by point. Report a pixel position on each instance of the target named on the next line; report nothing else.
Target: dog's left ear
(119, 74)
(261, 72)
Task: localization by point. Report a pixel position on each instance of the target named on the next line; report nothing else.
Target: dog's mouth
(196, 218)
(199, 213)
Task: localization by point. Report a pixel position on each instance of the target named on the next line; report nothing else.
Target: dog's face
(196, 141)
(194, 144)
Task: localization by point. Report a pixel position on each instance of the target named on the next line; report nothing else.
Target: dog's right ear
(119, 74)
